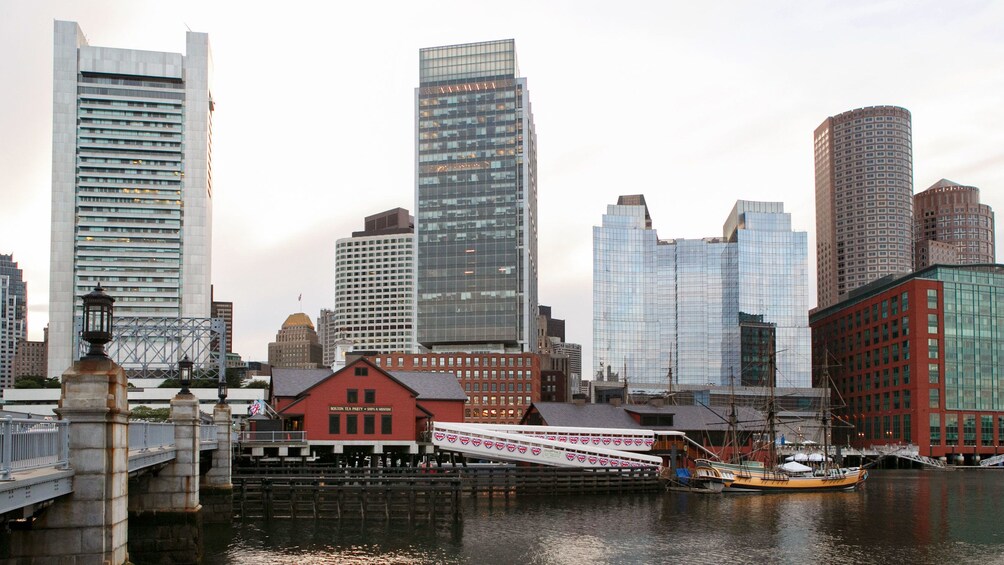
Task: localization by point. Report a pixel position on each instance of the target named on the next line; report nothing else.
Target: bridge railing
(207, 433)
(150, 435)
(271, 437)
(31, 444)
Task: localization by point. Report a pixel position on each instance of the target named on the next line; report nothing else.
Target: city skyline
(714, 104)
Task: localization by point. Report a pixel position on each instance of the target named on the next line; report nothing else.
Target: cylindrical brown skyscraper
(864, 199)
(951, 226)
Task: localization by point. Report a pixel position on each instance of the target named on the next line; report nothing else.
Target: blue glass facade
(673, 307)
(476, 201)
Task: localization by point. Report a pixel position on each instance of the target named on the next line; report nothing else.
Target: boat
(752, 475)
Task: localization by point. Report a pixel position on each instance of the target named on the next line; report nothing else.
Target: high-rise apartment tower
(476, 196)
(951, 226)
(13, 316)
(864, 199)
(131, 182)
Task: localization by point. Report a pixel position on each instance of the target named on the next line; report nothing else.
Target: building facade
(374, 286)
(13, 316)
(950, 215)
(864, 199)
(670, 311)
(296, 345)
(326, 335)
(916, 360)
(499, 386)
(131, 182)
(30, 359)
(225, 312)
(476, 201)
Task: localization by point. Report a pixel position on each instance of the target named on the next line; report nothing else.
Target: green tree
(150, 414)
(37, 382)
(254, 383)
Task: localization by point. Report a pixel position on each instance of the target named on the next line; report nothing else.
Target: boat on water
(754, 476)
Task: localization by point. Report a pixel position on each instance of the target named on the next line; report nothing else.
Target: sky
(693, 104)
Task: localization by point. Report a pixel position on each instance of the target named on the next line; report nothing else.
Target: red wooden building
(364, 407)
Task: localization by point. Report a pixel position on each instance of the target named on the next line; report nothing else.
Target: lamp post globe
(185, 374)
(97, 326)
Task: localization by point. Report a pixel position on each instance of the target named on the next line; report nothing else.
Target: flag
(299, 298)
(255, 408)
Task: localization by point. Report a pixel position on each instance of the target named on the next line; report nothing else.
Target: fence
(272, 437)
(150, 435)
(32, 444)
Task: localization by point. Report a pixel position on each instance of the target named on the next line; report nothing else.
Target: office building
(296, 345)
(131, 183)
(326, 336)
(670, 312)
(374, 287)
(31, 357)
(13, 316)
(476, 197)
(864, 199)
(225, 312)
(915, 361)
(951, 226)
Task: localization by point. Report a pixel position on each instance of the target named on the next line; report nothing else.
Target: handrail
(150, 435)
(32, 444)
(271, 436)
(207, 433)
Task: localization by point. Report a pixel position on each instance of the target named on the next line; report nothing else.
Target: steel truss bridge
(150, 347)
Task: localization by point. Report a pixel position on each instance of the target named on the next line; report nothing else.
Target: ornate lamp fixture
(97, 330)
(185, 374)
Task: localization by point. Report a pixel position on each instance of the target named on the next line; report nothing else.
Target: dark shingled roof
(291, 382)
(431, 386)
(685, 418)
(584, 415)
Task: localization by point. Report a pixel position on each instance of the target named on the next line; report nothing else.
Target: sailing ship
(752, 475)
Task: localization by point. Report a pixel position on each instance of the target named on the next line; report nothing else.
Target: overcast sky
(693, 104)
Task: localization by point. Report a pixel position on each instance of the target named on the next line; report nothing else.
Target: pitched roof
(431, 386)
(692, 417)
(291, 382)
(591, 415)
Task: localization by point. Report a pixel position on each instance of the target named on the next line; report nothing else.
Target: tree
(257, 384)
(37, 382)
(150, 414)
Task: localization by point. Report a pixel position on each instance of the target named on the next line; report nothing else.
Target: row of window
(352, 424)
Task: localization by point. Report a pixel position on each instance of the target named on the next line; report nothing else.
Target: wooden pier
(416, 495)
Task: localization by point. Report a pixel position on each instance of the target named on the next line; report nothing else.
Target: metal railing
(32, 444)
(150, 435)
(272, 437)
(207, 433)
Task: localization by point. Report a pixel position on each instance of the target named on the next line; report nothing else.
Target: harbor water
(910, 517)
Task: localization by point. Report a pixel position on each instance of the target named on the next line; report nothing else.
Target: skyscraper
(374, 286)
(948, 216)
(13, 316)
(864, 199)
(476, 201)
(296, 345)
(685, 309)
(131, 182)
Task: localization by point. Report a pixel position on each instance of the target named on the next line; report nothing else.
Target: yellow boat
(753, 476)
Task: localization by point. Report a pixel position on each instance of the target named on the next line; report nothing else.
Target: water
(909, 517)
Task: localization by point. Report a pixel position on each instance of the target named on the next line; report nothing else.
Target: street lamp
(97, 330)
(222, 390)
(185, 374)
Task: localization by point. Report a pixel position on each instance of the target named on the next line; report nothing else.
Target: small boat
(754, 476)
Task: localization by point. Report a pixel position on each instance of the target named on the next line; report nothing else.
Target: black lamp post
(222, 390)
(97, 330)
(185, 374)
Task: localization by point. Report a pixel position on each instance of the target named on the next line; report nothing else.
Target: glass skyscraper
(131, 182)
(476, 201)
(13, 316)
(674, 309)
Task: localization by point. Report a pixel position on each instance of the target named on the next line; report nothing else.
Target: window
(932, 348)
(362, 371)
(952, 429)
(369, 396)
(352, 396)
(933, 373)
(369, 427)
(351, 424)
(935, 427)
(932, 323)
(386, 423)
(934, 398)
(334, 424)
(932, 299)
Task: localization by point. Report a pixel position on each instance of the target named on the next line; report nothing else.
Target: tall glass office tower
(476, 201)
(131, 182)
(680, 310)
(13, 316)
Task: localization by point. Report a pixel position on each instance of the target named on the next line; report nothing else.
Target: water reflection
(900, 516)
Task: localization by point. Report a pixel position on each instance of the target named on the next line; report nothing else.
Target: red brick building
(365, 406)
(915, 361)
(498, 386)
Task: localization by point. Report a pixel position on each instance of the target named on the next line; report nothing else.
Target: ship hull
(756, 478)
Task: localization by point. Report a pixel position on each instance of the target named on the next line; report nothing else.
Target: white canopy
(793, 467)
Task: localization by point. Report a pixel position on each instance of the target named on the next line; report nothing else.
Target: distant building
(951, 226)
(326, 335)
(864, 199)
(915, 360)
(476, 201)
(499, 386)
(296, 344)
(132, 184)
(31, 357)
(374, 287)
(671, 311)
(574, 353)
(13, 316)
(224, 310)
